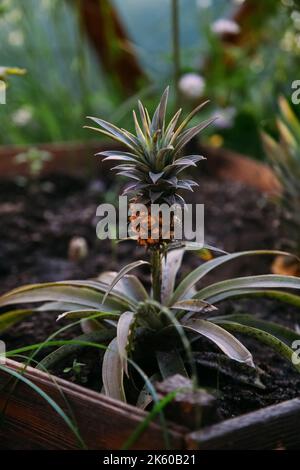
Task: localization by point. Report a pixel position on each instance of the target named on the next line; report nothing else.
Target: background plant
(284, 157)
(244, 71)
(65, 80)
(35, 159)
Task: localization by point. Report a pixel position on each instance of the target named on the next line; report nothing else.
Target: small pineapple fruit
(154, 159)
(149, 232)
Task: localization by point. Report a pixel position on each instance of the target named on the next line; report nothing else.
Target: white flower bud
(191, 85)
(225, 26)
(22, 116)
(225, 117)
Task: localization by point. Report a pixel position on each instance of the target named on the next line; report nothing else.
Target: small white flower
(225, 117)
(16, 38)
(296, 19)
(225, 26)
(192, 85)
(288, 41)
(22, 116)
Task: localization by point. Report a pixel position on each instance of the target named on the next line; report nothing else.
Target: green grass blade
(157, 409)
(73, 346)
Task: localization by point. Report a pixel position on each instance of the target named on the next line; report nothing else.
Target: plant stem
(176, 48)
(155, 261)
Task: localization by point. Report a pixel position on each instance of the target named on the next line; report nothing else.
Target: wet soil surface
(38, 222)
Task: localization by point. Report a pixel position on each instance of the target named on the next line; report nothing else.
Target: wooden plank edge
(273, 427)
(229, 165)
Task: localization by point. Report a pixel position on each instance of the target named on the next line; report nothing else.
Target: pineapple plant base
(282, 382)
(220, 194)
(280, 429)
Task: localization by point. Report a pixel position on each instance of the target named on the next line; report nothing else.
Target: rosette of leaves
(123, 316)
(134, 324)
(284, 158)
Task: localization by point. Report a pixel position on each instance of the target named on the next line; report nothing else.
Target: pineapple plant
(284, 158)
(144, 333)
(154, 160)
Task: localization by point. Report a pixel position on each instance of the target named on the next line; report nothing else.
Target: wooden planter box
(30, 423)
(105, 424)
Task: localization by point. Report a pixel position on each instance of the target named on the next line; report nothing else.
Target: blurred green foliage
(256, 76)
(283, 154)
(65, 81)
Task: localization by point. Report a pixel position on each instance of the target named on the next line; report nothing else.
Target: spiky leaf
(231, 346)
(112, 372)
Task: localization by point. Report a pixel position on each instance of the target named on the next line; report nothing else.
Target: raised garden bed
(105, 423)
(37, 232)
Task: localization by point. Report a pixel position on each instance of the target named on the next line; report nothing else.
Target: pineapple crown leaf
(186, 121)
(154, 157)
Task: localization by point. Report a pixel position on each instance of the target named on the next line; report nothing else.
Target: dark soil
(38, 223)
